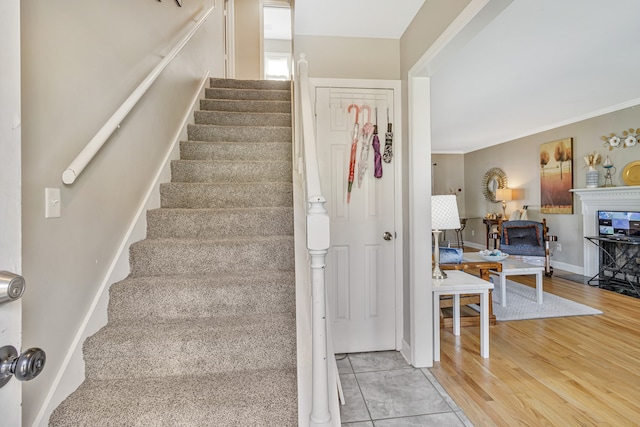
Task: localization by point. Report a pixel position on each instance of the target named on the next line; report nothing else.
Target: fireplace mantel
(602, 198)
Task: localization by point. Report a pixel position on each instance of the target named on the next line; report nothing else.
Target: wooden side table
(489, 223)
(460, 283)
(468, 316)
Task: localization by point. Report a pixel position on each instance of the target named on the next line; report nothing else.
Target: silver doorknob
(25, 367)
(387, 235)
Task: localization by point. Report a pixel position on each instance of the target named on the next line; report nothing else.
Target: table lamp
(506, 195)
(444, 216)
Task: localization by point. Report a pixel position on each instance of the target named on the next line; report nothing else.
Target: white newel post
(318, 245)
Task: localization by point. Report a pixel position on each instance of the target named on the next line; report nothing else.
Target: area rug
(521, 305)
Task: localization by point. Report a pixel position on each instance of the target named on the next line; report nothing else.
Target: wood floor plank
(570, 371)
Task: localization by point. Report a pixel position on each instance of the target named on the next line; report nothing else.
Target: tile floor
(382, 390)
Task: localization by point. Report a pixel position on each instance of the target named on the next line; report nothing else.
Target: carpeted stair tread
(214, 223)
(156, 257)
(255, 106)
(250, 84)
(248, 94)
(131, 347)
(220, 150)
(235, 118)
(249, 293)
(217, 133)
(220, 195)
(203, 330)
(266, 398)
(230, 171)
(207, 150)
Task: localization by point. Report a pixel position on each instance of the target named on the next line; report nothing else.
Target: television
(619, 223)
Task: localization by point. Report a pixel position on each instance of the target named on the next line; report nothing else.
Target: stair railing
(318, 243)
(89, 151)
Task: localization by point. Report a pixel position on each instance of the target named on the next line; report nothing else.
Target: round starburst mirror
(494, 178)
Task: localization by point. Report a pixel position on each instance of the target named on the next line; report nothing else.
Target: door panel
(361, 264)
(10, 178)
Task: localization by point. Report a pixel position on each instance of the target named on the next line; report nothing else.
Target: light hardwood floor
(572, 371)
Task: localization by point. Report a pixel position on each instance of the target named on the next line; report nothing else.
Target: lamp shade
(444, 212)
(504, 194)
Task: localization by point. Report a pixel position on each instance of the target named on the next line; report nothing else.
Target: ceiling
(382, 19)
(538, 65)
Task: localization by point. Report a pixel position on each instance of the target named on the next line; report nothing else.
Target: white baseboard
(71, 373)
(406, 352)
(575, 269)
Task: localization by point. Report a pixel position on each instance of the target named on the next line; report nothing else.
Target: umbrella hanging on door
(367, 134)
(354, 149)
(377, 159)
(388, 136)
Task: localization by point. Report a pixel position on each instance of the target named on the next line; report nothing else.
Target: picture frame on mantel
(556, 177)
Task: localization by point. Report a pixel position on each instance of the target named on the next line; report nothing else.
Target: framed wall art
(556, 177)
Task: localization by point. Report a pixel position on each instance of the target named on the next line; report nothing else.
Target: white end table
(512, 267)
(456, 283)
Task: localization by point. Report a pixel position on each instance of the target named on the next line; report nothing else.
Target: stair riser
(204, 171)
(198, 300)
(210, 224)
(245, 106)
(252, 195)
(215, 133)
(242, 119)
(212, 351)
(248, 94)
(240, 151)
(250, 84)
(254, 398)
(185, 257)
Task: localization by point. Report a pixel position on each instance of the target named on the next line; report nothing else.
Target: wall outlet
(473, 233)
(559, 247)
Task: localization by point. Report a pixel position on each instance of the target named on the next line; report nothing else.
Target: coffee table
(511, 267)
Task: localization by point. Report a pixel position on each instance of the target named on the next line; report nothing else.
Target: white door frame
(397, 154)
(466, 25)
(10, 196)
(229, 40)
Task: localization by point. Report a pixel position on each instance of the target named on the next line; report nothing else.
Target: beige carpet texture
(202, 332)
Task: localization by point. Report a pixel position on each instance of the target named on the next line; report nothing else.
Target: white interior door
(10, 212)
(361, 263)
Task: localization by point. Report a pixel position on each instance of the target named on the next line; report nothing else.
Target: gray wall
(81, 60)
(350, 57)
(520, 161)
(247, 35)
(429, 23)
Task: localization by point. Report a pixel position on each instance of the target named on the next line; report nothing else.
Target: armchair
(527, 239)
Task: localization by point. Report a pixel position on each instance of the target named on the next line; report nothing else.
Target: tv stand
(619, 264)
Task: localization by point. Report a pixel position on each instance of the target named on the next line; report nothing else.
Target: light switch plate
(52, 203)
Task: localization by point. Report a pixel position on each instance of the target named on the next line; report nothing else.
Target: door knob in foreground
(25, 367)
(387, 236)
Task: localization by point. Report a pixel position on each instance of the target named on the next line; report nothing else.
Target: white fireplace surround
(604, 198)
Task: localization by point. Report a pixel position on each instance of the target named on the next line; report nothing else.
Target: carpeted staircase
(202, 332)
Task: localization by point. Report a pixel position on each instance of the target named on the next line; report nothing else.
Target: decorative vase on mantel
(592, 177)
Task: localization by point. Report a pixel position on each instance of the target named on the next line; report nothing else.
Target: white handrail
(318, 243)
(89, 151)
